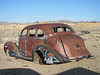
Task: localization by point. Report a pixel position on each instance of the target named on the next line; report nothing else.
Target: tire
(41, 61)
(48, 59)
(11, 52)
(44, 58)
(8, 52)
(45, 55)
(35, 57)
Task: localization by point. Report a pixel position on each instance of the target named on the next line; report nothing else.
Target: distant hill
(65, 21)
(62, 21)
(4, 23)
(58, 21)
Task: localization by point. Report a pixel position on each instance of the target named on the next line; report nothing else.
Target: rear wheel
(48, 57)
(41, 61)
(37, 57)
(45, 56)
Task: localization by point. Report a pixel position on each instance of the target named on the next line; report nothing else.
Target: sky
(25, 11)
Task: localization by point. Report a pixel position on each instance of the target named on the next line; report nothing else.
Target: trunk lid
(74, 45)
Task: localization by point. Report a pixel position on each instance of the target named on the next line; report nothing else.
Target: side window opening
(24, 32)
(32, 32)
(68, 30)
(40, 33)
(61, 29)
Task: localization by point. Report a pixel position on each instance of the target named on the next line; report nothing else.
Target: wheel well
(39, 53)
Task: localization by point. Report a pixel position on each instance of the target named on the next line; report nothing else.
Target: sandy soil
(91, 66)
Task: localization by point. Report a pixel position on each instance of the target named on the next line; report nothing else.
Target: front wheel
(8, 52)
(11, 49)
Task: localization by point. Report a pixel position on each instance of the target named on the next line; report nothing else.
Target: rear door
(31, 40)
(40, 37)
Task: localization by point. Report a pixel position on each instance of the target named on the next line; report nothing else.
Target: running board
(22, 57)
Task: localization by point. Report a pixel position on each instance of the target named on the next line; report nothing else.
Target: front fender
(11, 46)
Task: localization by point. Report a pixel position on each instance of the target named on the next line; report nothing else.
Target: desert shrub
(85, 32)
(0, 40)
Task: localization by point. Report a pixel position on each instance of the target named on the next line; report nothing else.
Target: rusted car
(48, 43)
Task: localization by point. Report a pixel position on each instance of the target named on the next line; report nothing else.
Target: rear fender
(52, 52)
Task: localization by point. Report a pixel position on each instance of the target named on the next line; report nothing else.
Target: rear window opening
(40, 33)
(61, 29)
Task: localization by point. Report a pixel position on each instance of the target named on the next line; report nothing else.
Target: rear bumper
(80, 57)
(75, 58)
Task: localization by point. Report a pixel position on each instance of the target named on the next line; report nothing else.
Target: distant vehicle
(48, 43)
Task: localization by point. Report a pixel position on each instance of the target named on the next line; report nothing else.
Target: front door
(26, 41)
(23, 42)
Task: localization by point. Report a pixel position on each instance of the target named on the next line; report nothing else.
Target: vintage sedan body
(53, 43)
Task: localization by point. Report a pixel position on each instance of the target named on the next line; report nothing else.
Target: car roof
(47, 27)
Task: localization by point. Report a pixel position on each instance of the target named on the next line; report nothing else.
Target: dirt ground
(90, 32)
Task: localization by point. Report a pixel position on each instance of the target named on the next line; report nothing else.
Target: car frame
(48, 44)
